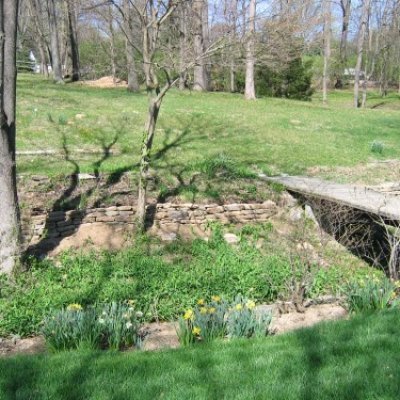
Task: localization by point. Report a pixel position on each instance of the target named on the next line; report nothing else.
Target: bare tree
(54, 41)
(366, 6)
(200, 74)
(9, 212)
(326, 11)
(250, 91)
(128, 25)
(73, 40)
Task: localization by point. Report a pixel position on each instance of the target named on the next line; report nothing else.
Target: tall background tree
(9, 212)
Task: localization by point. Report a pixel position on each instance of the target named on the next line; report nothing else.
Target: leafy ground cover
(163, 280)
(274, 135)
(354, 359)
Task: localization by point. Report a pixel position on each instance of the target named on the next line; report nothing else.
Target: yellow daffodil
(238, 307)
(203, 310)
(393, 296)
(196, 331)
(131, 302)
(250, 304)
(74, 307)
(188, 314)
(216, 298)
(201, 302)
(212, 310)
(397, 284)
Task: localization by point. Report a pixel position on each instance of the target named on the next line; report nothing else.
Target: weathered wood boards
(381, 204)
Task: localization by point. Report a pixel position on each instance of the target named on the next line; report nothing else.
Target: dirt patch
(12, 347)
(95, 236)
(106, 82)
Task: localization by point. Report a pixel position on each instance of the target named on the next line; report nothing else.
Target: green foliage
(219, 318)
(222, 166)
(377, 147)
(113, 326)
(292, 82)
(163, 280)
(368, 295)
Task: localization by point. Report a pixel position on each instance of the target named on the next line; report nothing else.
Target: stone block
(104, 218)
(125, 208)
(112, 213)
(178, 215)
(215, 210)
(234, 207)
(56, 216)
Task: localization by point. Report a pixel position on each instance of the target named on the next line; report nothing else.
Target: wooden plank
(382, 204)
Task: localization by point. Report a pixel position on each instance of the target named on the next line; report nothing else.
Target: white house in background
(351, 73)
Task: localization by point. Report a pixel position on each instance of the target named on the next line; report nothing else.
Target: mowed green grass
(357, 359)
(274, 135)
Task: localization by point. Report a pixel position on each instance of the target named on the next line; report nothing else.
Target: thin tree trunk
(200, 76)
(73, 41)
(346, 10)
(54, 42)
(326, 9)
(232, 67)
(112, 45)
(133, 83)
(154, 108)
(182, 46)
(9, 211)
(250, 91)
(360, 50)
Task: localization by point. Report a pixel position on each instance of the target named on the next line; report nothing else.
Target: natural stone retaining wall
(59, 224)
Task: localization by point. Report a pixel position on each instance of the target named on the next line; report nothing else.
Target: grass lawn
(274, 135)
(356, 359)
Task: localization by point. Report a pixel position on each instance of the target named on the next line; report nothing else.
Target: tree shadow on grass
(355, 360)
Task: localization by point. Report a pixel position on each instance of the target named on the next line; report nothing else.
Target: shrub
(114, 326)
(292, 82)
(371, 295)
(377, 147)
(219, 319)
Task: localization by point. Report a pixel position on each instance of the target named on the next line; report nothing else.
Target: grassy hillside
(274, 135)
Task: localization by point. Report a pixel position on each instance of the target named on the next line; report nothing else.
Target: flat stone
(234, 207)
(104, 218)
(84, 177)
(168, 236)
(178, 215)
(125, 208)
(215, 210)
(231, 238)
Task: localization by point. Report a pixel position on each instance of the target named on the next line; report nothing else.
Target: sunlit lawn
(274, 135)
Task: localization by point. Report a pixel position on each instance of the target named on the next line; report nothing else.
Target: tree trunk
(346, 9)
(250, 91)
(232, 67)
(36, 10)
(112, 45)
(54, 42)
(9, 212)
(182, 46)
(154, 108)
(360, 50)
(133, 83)
(200, 75)
(73, 41)
(326, 9)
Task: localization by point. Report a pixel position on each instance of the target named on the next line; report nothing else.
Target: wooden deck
(383, 205)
